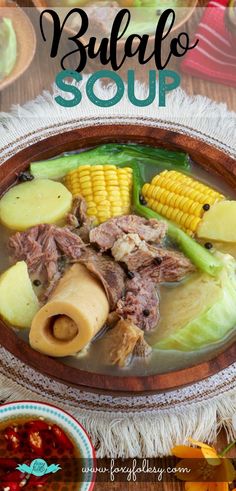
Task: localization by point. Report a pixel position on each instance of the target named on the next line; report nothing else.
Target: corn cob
(106, 189)
(179, 198)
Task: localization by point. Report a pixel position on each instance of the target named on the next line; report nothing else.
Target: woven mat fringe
(192, 115)
(146, 435)
(143, 426)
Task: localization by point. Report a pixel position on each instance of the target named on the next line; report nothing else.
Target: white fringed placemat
(143, 426)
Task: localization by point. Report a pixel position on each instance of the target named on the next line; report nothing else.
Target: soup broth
(94, 358)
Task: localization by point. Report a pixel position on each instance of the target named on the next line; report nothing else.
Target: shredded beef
(79, 209)
(50, 253)
(174, 266)
(78, 220)
(133, 251)
(108, 272)
(83, 232)
(69, 244)
(49, 288)
(140, 304)
(160, 264)
(24, 246)
(78, 214)
(105, 235)
(42, 247)
(150, 230)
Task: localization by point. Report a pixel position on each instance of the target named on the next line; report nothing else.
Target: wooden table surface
(152, 483)
(39, 77)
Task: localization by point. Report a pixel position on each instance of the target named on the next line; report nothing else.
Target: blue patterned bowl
(35, 410)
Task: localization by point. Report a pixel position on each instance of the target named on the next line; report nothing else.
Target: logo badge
(38, 468)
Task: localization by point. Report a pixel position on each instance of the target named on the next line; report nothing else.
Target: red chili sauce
(24, 440)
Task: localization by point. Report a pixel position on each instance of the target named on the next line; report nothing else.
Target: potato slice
(18, 302)
(34, 202)
(219, 223)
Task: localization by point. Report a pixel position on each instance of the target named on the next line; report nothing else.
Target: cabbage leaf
(8, 47)
(214, 322)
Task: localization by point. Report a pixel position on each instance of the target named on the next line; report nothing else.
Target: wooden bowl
(210, 158)
(26, 42)
(187, 9)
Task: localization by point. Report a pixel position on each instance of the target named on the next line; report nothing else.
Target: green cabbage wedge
(215, 322)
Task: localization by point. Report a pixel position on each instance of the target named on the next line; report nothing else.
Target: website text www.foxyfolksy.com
(133, 470)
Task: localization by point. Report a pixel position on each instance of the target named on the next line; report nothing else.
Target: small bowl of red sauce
(43, 447)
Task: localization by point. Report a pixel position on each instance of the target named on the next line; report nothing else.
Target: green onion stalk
(111, 154)
(132, 155)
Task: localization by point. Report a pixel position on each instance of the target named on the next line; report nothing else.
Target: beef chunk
(174, 266)
(141, 303)
(78, 213)
(68, 243)
(150, 230)
(78, 219)
(161, 265)
(108, 272)
(43, 247)
(50, 253)
(134, 252)
(121, 342)
(106, 234)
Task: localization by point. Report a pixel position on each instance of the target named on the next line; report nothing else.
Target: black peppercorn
(146, 312)
(142, 200)
(130, 275)
(206, 207)
(25, 176)
(158, 260)
(61, 264)
(208, 245)
(37, 282)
